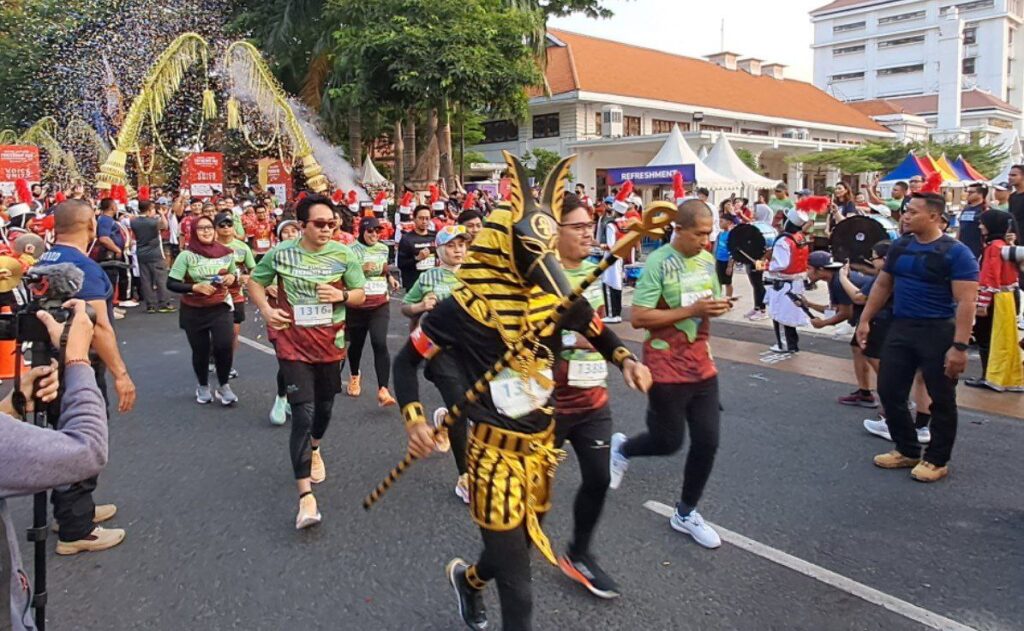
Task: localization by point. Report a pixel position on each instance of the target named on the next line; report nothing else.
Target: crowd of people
(475, 276)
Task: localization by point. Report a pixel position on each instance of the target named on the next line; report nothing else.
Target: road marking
(901, 607)
(263, 348)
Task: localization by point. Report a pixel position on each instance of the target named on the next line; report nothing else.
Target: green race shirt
(376, 287)
(581, 374)
(189, 267)
(317, 332)
(244, 260)
(680, 353)
(436, 280)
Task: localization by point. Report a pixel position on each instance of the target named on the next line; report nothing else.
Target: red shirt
(996, 274)
(262, 238)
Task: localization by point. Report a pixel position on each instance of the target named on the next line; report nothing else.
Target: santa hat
(933, 184)
(405, 207)
(620, 205)
(678, 190)
(352, 201)
(143, 193)
(813, 204)
(470, 202)
(435, 198)
(338, 196)
(378, 202)
(797, 217)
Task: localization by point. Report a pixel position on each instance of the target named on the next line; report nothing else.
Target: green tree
(747, 157)
(884, 156)
(540, 162)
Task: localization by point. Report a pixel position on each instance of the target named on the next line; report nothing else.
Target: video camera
(1014, 254)
(45, 288)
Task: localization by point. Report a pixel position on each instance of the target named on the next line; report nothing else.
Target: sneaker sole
(67, 551)
(308, 522)
(927, 480)
(687, 532)
(449, 571)
(574, 574)
(860, 404)
(225, 403)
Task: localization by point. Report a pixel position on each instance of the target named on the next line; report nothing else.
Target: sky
(773, 31)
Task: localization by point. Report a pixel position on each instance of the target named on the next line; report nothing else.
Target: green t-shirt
(317, 333)
(189, 267)
(595, 297)
(376, 287)
(243, 254)
(782, 205)
(436, 280)
(894, 205)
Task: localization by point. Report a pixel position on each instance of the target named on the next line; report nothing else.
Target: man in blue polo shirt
(933, 281)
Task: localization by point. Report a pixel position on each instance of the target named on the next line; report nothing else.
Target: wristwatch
(960, 346)
(344, 296)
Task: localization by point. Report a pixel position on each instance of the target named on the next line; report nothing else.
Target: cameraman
(34, 459)
(73, 507)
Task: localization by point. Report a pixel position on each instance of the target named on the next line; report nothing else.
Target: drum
(748, 242)
(852, 239)
(890, 225)
(634, 271)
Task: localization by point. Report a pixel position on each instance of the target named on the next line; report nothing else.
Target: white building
(888, 50)
(614, 105)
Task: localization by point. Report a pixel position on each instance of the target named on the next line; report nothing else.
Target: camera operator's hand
(80, 335)
(46, 391)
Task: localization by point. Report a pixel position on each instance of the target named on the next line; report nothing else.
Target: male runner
(675, 298)
(316, 278)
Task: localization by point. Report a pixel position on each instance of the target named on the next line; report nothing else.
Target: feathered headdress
(470, 202)
(678, 188)
(933, 184)
(435, 198)
(143, 193)
(60, 197)
(405, 207)
(379, 200)
(813, 204)
(24, 191)
(621, 204)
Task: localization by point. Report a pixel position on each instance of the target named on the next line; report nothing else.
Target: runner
(244, 264)
(317, 279)
(582, 414)
(681, 276)
(374, 315)
(287, 230)
(261, 232)
(202, 273)
(416, 248)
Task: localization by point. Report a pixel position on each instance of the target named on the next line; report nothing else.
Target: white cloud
(773, 31)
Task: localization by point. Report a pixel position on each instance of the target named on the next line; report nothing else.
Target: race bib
(428, 263)
(262, 244)
(593, 294)
(588, 373)
(690, 298)
(375, 287)
(516, 398)
(314, 315)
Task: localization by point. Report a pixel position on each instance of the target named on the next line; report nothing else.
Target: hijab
(213, 250)
(763, 213)
(997, 223)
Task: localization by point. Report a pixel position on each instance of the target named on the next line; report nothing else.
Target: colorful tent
(972, 174)
(949, 177)
(910, 167)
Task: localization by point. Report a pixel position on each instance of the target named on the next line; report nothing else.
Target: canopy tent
(912, 166)
(1010, 141)
(703, 153)
(676, 150)
(724, 160)
(949, 175)
(968, 171)
(371, 176)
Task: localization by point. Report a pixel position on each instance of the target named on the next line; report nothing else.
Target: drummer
(787, 271)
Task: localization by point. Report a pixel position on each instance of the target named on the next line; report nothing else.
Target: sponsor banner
(271, 174)
(202, 174)
(18, 162)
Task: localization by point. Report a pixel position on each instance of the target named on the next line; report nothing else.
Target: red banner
(18, 162)
(272, 175)
(202, 174)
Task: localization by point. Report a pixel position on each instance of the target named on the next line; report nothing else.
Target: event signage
(203, 174)
(18, 162)
(651, 176)
(271, 174)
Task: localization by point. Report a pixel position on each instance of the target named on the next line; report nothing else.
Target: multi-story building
(614, 105)
(869, 50)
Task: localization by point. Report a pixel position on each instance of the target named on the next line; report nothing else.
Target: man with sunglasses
(317, 278)
(416, 251)
(227, 234)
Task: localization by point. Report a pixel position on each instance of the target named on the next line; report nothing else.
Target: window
(754, 132)
(500, 131)
(707, 127)
(545, 126)
(968, 65)
(968, 6)
(664, 126)
(902, 17)
(1010, 34)
(848, 50)
(631, 125)
(850, 26)
(971, 35)
(848, 76)
(597, 123)
(902, 41)
(884, 72)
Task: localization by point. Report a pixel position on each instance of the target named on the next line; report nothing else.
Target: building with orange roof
(614, 104)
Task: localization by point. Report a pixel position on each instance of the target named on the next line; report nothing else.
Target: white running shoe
(279, 413)
(226, 396)
(462, 488)
(203, 395)
(775, 348)
(924, 435)
(618, 463)
(128, 303)
(694, 525)
(877, 427)
(612, 319)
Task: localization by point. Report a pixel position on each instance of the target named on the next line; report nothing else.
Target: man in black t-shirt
(416, 248)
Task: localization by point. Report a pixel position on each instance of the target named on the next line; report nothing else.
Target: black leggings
(309, 422)
(210, 330)
(983, 336)
(757, 282)
(612, 301)
(282, 387)
(374, 321)
(670, 408)
(506, 560)
(590, 434)
(443, 371)
(792, 342)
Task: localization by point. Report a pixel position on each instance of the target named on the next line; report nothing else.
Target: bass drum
(852, 239)
(890, 225)
(748, 242)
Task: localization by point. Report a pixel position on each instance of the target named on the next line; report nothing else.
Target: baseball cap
(449, 233)
(822, 259)
(804, 192)
(1001, 186)
(368, 223)
(224, 217)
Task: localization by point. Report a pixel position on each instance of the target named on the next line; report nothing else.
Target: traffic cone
(8, 353)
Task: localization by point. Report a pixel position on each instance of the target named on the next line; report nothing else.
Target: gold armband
(621, 354)
(413, 413)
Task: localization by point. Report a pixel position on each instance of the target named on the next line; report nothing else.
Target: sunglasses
(320, 224)
(372, 230)
(226, 224)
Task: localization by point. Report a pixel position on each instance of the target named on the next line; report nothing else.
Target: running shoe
(859, 399)
(895, 460)
(150, 309)
(203, 395)
(384, 398)
(128, 303)
(924, 435)
(354, 387)
(167, 309)
(775, 348)
(758, 316)
(441, 441)
(233, 374)
(583, 569)
(471, 601)
(618, 463)
(695, 526)
(462, 488)
(612, 319)
(279, 413)
(317, 468)
(309, 514)
(750, 314)
(983, 383)
(118, 315)
(226, 396)
(878, 427)
(1020, 323)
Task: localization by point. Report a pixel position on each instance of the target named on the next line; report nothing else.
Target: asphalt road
(207, 498)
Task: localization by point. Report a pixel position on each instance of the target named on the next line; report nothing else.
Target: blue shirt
(970, 230)
(885, 313)
(106, 226)
(722, 246)
(95, 284)
(920, 295)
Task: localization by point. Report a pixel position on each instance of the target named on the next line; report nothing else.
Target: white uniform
(614, 275)
(780, 306)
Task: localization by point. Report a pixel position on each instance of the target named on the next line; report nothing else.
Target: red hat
(143, 193)
(405, 208)
(435, 198)
(353, 200)
(621, 204)
(379, 200)
(60, 197)
(338, 196)
(678, 189)
(470, 201)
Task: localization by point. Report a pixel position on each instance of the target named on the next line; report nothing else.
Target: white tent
(703, 153)
(371, 176)
(677, 151)
(1010, 142)
(724, 160)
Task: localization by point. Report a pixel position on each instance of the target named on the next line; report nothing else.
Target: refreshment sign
(651, 176)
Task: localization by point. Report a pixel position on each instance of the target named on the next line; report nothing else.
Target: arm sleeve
(33, 459)
(405, 370)
(265, 272)
(178, 286)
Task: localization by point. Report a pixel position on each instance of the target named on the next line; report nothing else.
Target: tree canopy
(884, 156)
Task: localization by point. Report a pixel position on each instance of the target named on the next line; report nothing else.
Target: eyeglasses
(320, 224)
(583, 226)
(203, 228)
(226, 224)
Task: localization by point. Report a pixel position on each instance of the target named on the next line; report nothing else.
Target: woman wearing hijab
(996, 320)
(203, 273)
